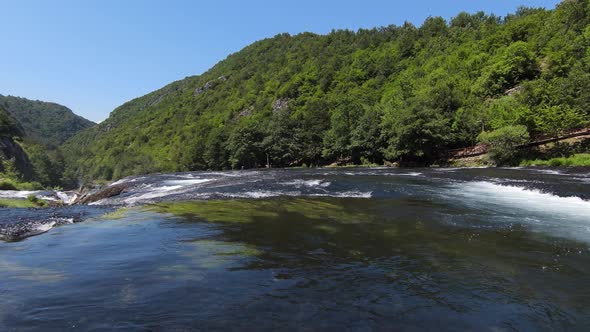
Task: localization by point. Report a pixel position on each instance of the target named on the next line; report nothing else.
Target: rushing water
(324, 249)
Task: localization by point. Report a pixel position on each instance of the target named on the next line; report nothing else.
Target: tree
(245, 146)
(415, 135)
(504, 143)
(366, 139)
(280, 143)
(516, 64)
(555, 119)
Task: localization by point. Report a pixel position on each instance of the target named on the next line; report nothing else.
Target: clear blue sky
(93, 55)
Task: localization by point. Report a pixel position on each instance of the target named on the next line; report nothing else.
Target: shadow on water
(355, 263)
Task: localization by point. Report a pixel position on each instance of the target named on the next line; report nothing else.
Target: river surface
(307, 250)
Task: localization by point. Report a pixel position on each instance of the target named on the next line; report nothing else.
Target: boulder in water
(108, 192)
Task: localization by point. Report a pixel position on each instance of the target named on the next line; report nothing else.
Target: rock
(515, 90)
(391, 164)
(280, 105)
(246, 112)
(199, 91)
(108, 192)
(209, 85)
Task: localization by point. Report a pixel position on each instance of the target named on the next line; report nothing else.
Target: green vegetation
(504, 142)
(48, 123)
(575, 160)
(36, 201)
(399, 93)
(29, 135)
(31, 202)
(11, 184)
(16, 203)
(248, 211)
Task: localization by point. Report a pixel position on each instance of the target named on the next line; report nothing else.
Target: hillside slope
(49, 123)
(30, 135)
(397, 93)
(13, 159)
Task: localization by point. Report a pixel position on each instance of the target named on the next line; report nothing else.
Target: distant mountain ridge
(44, 122)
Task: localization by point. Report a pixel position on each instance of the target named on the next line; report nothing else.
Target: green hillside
(45, 122)
(396, 93)
(8, 126)
(30, 135)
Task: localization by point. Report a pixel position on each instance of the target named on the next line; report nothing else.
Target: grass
(31, 202)
(16, 203)
(582, 159)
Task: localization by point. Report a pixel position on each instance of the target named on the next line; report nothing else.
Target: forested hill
(8, 126)
(30, 135)
(47, 123)
(396, 93)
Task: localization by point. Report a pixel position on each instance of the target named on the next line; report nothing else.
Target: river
(488, 249)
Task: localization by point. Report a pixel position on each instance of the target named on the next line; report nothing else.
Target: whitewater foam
(16, 194)
(348, 194)
(529, 199)
(540, 212)
(268, 194)
(187, 182)
(307, 183)
(548, 171)
(550, 214)
(411, 174)
(156, 192)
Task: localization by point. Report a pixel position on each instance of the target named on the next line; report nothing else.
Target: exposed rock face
(210, 85)
(9, 149)
(516, 90)
(157, 100)
(110, 191)
(246, 112)
(280, 105)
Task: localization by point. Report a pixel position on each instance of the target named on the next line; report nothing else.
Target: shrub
(7, 185)
(36, 201)
(504, 143)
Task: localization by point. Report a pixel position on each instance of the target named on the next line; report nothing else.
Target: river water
(320, 249)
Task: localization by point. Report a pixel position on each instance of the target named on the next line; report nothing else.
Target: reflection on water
(435, 258)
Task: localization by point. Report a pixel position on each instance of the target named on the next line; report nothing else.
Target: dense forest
(45, 122)
(402, 94)
(30, 135)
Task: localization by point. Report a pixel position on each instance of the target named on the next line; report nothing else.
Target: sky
(94, 55)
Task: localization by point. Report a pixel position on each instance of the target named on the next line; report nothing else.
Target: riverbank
(16, 203)
(577, 160)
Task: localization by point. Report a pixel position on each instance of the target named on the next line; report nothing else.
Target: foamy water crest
(523, 198)
(307, 183)
(549, 213)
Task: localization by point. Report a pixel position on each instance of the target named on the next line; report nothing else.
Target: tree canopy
(395, 93)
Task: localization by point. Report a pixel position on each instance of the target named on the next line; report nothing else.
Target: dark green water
(473, 250)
